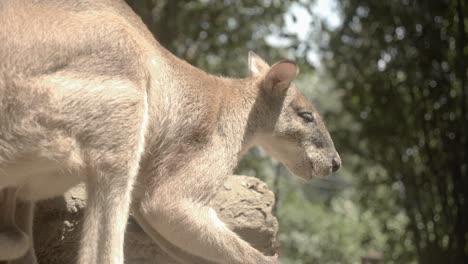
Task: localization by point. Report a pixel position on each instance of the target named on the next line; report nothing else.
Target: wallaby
(87, 94)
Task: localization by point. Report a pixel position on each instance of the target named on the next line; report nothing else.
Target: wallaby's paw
(14, 243)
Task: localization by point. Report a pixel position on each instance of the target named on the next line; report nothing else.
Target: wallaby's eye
(307, 116)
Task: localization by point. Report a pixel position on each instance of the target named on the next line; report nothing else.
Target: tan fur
(87, 94)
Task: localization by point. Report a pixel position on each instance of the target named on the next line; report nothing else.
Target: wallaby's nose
(336, 162)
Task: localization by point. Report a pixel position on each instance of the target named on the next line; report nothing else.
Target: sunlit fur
(87, 94)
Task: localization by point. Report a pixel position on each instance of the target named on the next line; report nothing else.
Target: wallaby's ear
(257, 65)
(281, 75)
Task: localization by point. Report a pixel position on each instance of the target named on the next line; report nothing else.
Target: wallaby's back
(96, 38)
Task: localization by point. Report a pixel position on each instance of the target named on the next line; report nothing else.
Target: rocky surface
(243, 203)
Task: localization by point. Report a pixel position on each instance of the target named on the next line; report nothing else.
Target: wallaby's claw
(277, 250)
(14, 243)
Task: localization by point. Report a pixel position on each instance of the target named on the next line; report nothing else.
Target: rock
(243, 203)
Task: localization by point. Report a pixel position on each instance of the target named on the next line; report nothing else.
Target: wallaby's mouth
(305, 161)
(320, 165)
(312, 173)
(308, 166)
(315, 172)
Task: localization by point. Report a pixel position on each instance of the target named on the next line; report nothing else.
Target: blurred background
(390, 78)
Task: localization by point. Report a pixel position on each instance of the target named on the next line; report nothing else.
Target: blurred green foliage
(392, 88)
(214, 35)
(402, 68)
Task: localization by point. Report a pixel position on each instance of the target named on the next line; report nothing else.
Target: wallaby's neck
(238, 112)
(193, 106)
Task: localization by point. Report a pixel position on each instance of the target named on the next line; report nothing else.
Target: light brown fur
(87, 94)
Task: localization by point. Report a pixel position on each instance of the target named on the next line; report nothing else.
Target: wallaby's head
(291, 129)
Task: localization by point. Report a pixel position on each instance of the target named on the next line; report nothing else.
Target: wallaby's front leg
(113, 153)
(24, 220)
(109, 196)
(105, 218)
(168, 247)
(196, 229)
(13, 242)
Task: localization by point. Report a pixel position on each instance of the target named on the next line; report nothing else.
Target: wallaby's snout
(336, 162)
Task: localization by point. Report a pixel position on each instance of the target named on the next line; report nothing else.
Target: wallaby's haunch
(87, 94)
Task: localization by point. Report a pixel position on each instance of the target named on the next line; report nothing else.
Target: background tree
(214, 35)
(402, 68)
